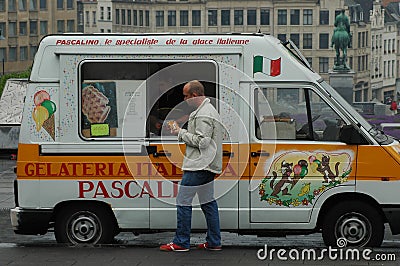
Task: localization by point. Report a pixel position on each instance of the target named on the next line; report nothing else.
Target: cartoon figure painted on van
(298, 178)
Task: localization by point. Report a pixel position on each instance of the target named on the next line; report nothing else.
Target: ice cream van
(95, 157)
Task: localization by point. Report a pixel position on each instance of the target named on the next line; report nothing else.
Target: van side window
(292, 113)
(135, 100)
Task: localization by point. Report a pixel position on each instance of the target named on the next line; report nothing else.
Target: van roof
(247, 45)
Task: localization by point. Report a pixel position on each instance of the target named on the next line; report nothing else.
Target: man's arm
(202, 137)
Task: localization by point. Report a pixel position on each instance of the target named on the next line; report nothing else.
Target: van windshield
(376, 133)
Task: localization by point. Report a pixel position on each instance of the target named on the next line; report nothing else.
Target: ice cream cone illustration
(43, 113)
(49, 126)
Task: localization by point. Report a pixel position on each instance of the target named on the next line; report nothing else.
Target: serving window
(136, 100)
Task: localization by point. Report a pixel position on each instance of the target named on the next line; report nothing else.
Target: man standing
(203, 160)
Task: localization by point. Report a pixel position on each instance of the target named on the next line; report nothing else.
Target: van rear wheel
(350, 223)
(84, 225)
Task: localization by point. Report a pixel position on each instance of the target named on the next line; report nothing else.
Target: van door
(295, 153)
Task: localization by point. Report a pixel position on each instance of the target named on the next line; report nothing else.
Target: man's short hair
(195, 86)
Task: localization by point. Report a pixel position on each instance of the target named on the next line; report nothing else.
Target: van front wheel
(84, 225)
(354, 224)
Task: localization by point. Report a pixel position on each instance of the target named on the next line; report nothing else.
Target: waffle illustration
(94, 105)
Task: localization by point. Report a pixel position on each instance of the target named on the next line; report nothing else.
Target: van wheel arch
(103, 209)
(342, 203)
(337, 198)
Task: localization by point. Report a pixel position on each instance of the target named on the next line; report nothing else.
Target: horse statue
(341, 39)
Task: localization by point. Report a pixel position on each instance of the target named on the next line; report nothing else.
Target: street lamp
(2, 38)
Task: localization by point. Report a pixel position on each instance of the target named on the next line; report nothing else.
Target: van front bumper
(392, 214)
(30, 221)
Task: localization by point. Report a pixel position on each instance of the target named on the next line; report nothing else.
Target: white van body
(90, 164)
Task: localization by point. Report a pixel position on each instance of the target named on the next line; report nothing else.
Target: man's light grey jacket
(203, 140)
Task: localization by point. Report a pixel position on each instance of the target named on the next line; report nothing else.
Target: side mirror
(349, 135)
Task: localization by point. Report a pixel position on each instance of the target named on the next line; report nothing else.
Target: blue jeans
(202, 183)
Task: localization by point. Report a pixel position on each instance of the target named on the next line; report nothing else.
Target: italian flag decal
(266, 66)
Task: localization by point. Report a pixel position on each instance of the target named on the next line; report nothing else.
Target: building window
(307, 41)
(307, 17)
(295, 37)
(294, 17)
(3, 54)
(212, 17)
(282, 17)
(70, 4)
(129, 17)
(43, 5)
(324, 17)
(147, 17)
(116, 16)
(33, 27)
(23, 53)
(363, 39)
(32, 52)
(366, 59)
(323, 64)
(184, 18)
(251, 17)
(60, 4)
(22, 5)
(101, 13)
(135, 17)
(87, 18)
(60, 26)
(70, 25)
(2, 5)
(140, 18)
(171, 18)
(196, 18)
(323, 40)
(238, 17)
(12, 54)
(94, 17)
(23, 28)
(159, 18)
(225, 17)
(123, 17)
(11, 5)
(33, 5)
(3, 31)
(264, 17)
(43, 27)
(108, 13)
(12, 29)
(282, 37)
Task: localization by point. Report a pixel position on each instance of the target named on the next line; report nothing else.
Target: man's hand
(173, 126)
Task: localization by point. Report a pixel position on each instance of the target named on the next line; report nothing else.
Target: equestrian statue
(341, 39)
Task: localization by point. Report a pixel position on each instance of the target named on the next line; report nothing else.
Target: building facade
(24, 22)
(308, 23)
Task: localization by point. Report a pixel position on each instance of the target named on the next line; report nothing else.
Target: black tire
(84, 224)
(354, 223)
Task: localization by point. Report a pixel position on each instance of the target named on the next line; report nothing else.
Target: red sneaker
(206, 246)
(172, 247)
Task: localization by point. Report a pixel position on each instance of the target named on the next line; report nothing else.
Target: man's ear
(195, 94)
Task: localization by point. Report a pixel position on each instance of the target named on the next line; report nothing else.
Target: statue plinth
(342, 82)
(341, 67)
